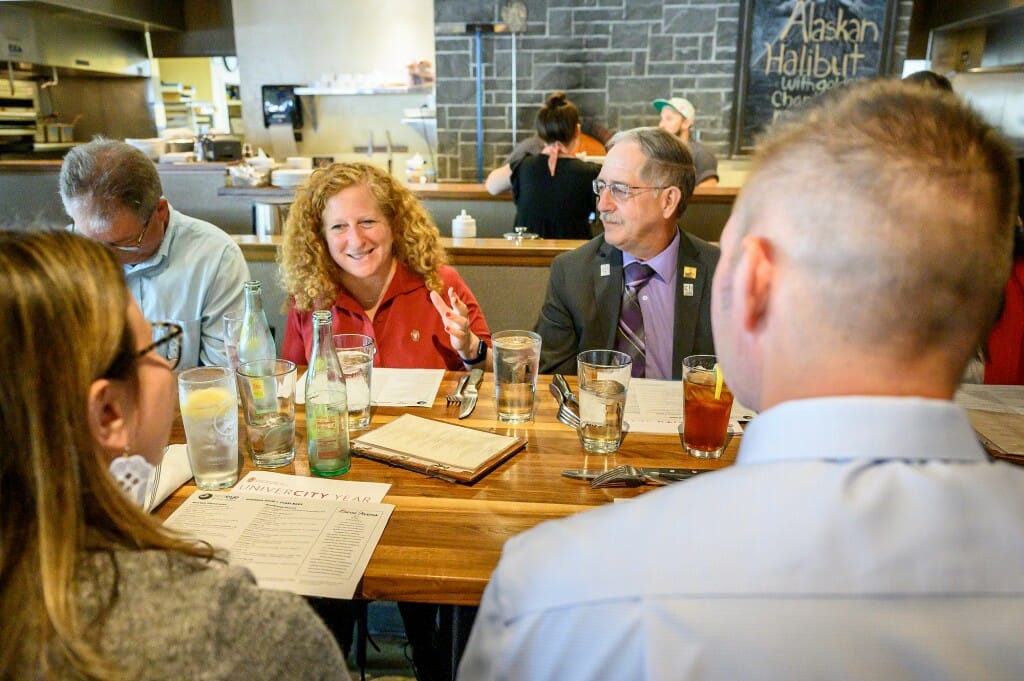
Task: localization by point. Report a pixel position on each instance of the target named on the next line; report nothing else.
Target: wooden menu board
(791, 50)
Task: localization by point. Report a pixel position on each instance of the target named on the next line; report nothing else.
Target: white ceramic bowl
(289, 177)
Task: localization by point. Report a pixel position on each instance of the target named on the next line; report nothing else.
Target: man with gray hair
(862, 533)
(179, 269)
(644, 285)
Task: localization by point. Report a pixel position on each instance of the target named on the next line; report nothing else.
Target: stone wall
(613, 57)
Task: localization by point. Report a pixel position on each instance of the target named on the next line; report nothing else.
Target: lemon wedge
(718, 381)
(208, 402)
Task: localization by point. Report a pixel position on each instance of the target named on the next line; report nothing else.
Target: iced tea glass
(705, 413)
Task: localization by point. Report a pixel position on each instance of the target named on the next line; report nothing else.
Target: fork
(623, 476)
(456, 397)
(565, 413)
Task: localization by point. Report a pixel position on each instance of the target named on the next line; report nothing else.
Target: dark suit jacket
(581, 307)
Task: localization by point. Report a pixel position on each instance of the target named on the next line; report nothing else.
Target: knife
(470, 392)
(667, 474)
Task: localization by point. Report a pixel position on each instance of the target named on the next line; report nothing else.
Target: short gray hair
(669, 162)
(111, 175)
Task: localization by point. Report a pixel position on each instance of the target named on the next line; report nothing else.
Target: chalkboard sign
(791, 50)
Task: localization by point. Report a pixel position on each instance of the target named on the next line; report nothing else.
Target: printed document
(315, 547)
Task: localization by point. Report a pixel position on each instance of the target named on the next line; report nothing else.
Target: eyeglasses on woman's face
(620, 190)
(167, 341)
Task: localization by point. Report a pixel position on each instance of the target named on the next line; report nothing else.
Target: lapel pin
(689, 273)
(606, 269)
(688, 290)
(415, 333)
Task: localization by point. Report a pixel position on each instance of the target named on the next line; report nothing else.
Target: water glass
(232, 332)
(705, 413)
(604, 378)
(516, 361)
(209, 411)
(355, 354)
(268, 401)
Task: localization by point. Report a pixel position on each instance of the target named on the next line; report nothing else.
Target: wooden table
(444, 539)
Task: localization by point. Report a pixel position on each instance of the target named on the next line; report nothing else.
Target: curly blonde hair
(308, 272)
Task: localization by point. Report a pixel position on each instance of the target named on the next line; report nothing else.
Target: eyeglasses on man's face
(166, 340)
(620, 190)
(131, 244)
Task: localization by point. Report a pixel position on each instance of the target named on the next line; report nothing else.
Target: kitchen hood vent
(39, 40)
(133, 15)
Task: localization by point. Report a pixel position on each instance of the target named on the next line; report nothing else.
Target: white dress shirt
(196, 275)
(855, 538)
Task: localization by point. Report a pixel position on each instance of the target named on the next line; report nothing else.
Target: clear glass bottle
(327, 438)
(255, 340)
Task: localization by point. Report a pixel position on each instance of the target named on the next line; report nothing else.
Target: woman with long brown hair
(90, 585)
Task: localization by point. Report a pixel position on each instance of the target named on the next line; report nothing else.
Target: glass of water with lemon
(209, 411)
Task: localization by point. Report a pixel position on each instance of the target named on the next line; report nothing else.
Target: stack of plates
(289, 177)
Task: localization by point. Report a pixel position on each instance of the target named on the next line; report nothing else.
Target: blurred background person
(92, 586)
(359, 243)
(179, 269)
(929, 79)
(677, 116)
(552, 189)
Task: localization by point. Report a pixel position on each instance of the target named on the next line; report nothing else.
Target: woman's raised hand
(455, 316)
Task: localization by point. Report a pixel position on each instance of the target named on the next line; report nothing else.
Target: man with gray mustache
(643, 188)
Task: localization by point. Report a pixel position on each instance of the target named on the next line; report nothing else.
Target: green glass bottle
(327, 438)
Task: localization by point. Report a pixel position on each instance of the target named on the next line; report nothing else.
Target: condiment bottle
(463, 226)
(327, 439)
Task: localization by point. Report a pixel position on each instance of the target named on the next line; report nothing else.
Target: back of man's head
(669, 163)
(110, 176)
(888, 210)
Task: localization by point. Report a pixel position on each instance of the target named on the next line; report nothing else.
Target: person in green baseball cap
(677, 117)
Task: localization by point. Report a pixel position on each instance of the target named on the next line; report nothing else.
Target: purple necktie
(630, 336)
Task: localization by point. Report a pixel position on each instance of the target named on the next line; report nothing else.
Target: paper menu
(995, 413)
(394, 387)
(310, 547)
(453, 447)
(654, 406)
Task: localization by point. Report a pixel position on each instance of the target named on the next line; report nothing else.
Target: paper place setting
(654, 406)
(394, 387)
(173, 472)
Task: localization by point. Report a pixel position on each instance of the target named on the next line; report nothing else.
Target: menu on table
(299, 535)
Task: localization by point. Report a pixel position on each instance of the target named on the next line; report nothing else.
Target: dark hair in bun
(557, 119)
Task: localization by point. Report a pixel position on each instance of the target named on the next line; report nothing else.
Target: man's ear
(670, 198)
(757, 270)
(108, 419)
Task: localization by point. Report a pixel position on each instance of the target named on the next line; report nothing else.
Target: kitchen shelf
(380, 90)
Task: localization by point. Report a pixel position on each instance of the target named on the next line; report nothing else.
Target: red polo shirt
(407, 330)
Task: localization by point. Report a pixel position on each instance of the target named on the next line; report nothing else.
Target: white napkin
(173, 472)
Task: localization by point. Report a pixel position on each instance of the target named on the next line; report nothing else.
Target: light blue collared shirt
(196, 275)
(855, 538)
(658, 305)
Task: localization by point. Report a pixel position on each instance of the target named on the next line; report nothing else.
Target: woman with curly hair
(93, 587)
(359, 243)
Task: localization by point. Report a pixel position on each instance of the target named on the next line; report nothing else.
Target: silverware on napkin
(470, 392)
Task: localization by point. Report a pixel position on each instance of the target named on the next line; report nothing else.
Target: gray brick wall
(613, 57)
